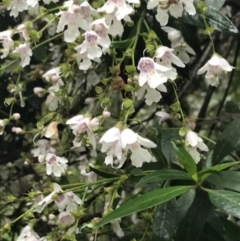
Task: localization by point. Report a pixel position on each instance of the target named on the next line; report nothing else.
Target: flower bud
(39, 91)
(44, 218)
(17, 130)
(51, 216)
(16, 116)
(106, 114)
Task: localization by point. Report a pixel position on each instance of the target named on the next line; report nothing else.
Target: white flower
(74, 20)
(163, 116)
(181, 48)
(80, 124)
(25, 53)
(51, 131)
(17, 6)
(120, 8)
(115, 26)
(151, 73)
(53, 100)
(23, 30)
(55, 165)
(117, 143)
(53, 75)
(49, 1)
(193, 141)
(132, 141)
(28, 234)
(7, 42)
(174, 7)
(66, 218)
(216, 67)
(43, 147)
(152, 95)
(69, 201)
(101, 28)
(48, 199)
(117, 228)
(2, 126)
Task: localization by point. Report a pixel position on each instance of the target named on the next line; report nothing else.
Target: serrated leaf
(143, 202)
(202, 175)
(186, 160)
(165, 220)
(227, 141)
(213, 17)
(226, 179)
(226, 201)
(166, 174)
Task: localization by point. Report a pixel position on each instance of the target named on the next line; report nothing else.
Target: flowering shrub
(105, 130)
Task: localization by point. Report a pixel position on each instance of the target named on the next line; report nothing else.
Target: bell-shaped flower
(25, 53)
(133, 142)
(55, 165)
(216, 67)
(152, 95)
(73, 19)
(7, 42)
(181, 48)
(151, 73)
(42, 149)
(48, 199)
(66, 219)
(117, 144)
(28, 234)
(120, 8)
(163, 116)
(194, 142)
(174, 7)
(53, 76)
(101, 28)
(111, 144)
(80, 125)
(68, 201)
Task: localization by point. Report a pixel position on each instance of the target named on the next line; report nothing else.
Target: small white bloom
(23, 30)
(194, 142)
(68, 201)
(132, 141)
(17, 6)
(117, 228)
(216, 67)
(28, 234)
(7, 42)
(49, 1)
(55, 165)
(80, 124)
(174, 7)
(25, 53)
(115, 26)
(66, 218)
(163, 116)
(151, 73)
(53, 75)
(51, 131)
(2, 126)
(53, 100)
(181, 48)
(42, 149)
(74, 20)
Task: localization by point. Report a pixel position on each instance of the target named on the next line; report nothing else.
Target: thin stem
(210, 36)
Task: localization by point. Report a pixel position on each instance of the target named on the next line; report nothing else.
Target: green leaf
(207, 172)
(143, 202)
(227, 141)
(166, 174)
(226, 179)
(122, 44)
(217, 4)
(190, 228)
(226, 201)
(186, 160)
(106, 172)
(184, 203)
(164, 221)
(213, 17)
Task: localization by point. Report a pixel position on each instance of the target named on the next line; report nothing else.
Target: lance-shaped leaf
(161, 175)
(186, 160)
(143, 202)
(226, 201)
